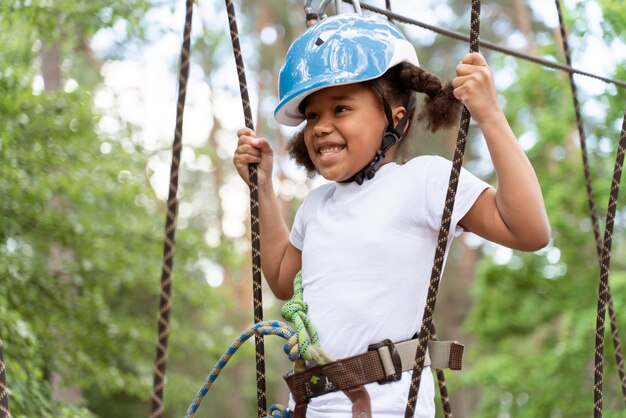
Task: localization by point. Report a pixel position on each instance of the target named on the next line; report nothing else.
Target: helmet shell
(342, 49)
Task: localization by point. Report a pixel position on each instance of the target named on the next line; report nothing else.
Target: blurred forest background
(87, 113)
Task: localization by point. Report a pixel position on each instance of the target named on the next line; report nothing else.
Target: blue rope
(300, 345)
(278, 328)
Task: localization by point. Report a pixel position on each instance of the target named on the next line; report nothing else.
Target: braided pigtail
(441, 108)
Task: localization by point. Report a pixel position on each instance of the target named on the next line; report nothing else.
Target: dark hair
(441, 109)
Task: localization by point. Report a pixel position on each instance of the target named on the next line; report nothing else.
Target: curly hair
(441, 109)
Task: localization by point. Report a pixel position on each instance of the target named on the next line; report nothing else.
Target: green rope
(295, 311)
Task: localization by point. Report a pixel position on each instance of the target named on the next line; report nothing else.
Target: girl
(365, 241)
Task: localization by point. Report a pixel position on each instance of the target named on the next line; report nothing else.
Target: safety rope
(603, 288)
(446, 405)
(277, 328)
(295, 311)
(4, 389)
(431, 299)
(169, 246)
(301, 344)
(254, 217)
(592, 204)
(441, 380)
(488, 45)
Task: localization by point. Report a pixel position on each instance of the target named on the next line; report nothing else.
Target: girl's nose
(323, 126)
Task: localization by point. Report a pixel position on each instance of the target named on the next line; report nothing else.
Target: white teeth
(330, 150)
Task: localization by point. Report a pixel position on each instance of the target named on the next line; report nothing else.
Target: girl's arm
(515, 214)
(280, 260)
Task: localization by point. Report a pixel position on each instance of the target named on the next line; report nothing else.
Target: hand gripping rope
(431, 299)
(254, 216)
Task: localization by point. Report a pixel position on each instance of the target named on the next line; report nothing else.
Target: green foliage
(81, 230)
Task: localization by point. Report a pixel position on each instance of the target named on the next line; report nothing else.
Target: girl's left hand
(474, 86)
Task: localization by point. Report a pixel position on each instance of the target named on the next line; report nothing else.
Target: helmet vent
(319, 41)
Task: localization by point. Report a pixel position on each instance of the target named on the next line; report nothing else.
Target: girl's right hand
(253, 150)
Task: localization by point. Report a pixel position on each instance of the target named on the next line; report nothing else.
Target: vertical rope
(619, 357)
(441, 379)
(603, 288)
(442, 241)
(254, 217)
(4, 390)
(169, 246)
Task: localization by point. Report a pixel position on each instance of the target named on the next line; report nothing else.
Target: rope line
(489, 45)
(603, 288)
(254, 217)
(277, 328)
(619, 357)
(169, 246)
(308, 342)
(441, 379)
(431, 299)
(446, 405)
(4, 389)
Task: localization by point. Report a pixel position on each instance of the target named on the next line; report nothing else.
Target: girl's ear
(398, 113)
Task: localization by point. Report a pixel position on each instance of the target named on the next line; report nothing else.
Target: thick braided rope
(619, 357)
(254, 216)
(441, 380)
(442, 241)
(305, 338)
(488, 45)
(278, 328)
(169, 247)
(446, 405)
(603, 288)
(4, 390)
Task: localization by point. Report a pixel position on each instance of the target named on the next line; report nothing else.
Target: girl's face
(344, 127)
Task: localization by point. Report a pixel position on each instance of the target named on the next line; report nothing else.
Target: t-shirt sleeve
(296, 236)
(468, 190)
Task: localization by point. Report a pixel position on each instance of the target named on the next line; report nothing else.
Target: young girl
(365, 241)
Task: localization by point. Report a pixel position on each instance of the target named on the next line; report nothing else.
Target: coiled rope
(254, 217)
(4, 390)
(600, 249)
(169, 246)
(431, 299)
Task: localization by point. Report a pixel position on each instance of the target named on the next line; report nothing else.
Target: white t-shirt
(367, 255)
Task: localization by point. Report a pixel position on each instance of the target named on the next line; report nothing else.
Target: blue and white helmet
(342, 49)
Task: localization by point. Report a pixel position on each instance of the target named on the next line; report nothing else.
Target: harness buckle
(390, 358)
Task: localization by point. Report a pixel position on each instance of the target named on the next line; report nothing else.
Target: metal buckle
(395, 359)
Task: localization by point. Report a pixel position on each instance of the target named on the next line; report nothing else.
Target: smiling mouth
(331, 149)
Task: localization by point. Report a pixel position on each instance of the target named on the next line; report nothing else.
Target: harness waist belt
(383, 362)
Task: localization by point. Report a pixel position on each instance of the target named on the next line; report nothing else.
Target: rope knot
(295, 308)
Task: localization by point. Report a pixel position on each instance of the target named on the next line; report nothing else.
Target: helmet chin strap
(391, 136)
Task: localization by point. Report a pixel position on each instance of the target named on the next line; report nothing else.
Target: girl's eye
(341, 108)
(310, 115)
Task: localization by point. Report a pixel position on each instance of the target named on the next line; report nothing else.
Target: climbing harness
(383, 362)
